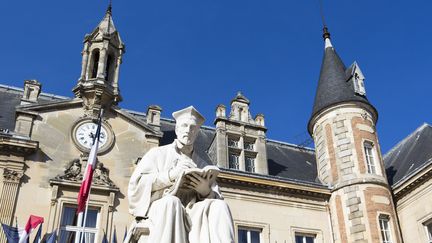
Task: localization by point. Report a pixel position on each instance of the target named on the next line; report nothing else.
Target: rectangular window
(249, 146)
(370, 161)
(234, 161)
(69, 231)
(233, 143)
(250, 164)
(428, 227)
(249, 235)
(385, 228)
(304, 238)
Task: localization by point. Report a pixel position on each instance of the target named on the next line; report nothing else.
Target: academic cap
(189, 112)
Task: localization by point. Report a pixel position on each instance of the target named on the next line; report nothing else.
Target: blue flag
(51, 237)
(114, 239)
(37, 238)
(125, 234)
(11, 233)
(104, 240)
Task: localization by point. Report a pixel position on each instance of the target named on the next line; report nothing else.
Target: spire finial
(109, 9)
(326, 33)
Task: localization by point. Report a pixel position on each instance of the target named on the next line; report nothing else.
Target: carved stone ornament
(101, 176)
(11, 175)
(72, 172)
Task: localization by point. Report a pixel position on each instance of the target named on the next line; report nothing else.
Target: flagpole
(96, 140)
(85, 218)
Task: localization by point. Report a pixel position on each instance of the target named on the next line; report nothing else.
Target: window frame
(428, 230)
(247, 165)
(313, 236)
(233, 143)
(236, 162)
(76, 228)
(248, 230)
(265, 232)
(387, 219)
(317, 233)
(370, 157)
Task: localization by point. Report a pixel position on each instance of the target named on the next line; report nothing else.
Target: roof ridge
(50, 95)
(290, 144)
(418, 129)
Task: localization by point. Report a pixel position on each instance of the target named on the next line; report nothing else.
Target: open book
(210, 172)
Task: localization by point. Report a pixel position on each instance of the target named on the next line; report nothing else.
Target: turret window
(384, 223)
(370, 158)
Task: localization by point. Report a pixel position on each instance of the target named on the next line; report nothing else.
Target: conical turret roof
(333, 85)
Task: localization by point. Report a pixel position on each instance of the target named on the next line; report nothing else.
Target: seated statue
(197, 212)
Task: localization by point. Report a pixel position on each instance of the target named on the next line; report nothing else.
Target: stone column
(102, 63)
(84, 64)
(117, 72)
(9, 193)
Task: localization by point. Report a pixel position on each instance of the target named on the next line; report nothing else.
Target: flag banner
(125, 233)
(91, 165)
(51, 237)
(37, 238)
(32, 223)
(12, 233)
(104, 240)
(114, 239)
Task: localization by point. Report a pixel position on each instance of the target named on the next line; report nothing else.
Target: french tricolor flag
(88, 176)
(32, 224)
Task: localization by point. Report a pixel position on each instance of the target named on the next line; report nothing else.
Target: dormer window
(357, 79)
(250, 164)
(233, 143)
(234, 162)
(249, 146)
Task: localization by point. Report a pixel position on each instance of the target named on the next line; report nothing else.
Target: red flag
(32, 223)
(88, 176)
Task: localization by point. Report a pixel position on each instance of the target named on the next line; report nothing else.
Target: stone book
(209, 172)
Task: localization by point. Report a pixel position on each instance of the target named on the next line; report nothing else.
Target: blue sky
(201, 52)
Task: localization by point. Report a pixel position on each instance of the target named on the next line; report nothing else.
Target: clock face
(85, 133)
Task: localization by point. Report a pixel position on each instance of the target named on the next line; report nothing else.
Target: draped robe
(185, 218)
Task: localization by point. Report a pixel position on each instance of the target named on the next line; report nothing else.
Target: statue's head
(188, 122)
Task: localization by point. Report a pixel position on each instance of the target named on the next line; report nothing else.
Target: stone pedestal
(138, 232)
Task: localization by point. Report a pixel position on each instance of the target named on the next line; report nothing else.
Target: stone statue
(197, 213)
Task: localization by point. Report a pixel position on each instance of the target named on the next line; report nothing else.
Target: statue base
(138, 232)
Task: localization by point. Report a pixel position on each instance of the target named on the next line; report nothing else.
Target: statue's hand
(182, 165)
(200, 184)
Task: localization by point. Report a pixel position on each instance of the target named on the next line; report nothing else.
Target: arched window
(108, 68)
(94, 63)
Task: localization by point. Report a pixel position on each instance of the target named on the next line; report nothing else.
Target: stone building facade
(344, 190)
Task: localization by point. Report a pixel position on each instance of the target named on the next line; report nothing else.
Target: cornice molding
(411, 183)
(17, 145)
(230, 179)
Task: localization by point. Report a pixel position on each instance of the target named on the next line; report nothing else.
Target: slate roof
(409, 155)
(333, 86)
(10, 97)
(284, 160)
